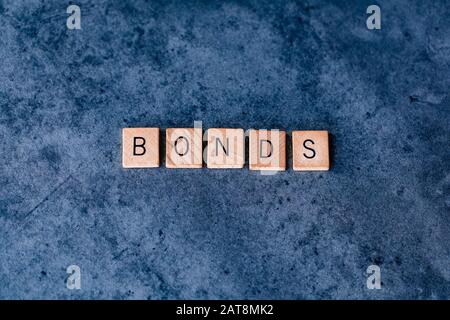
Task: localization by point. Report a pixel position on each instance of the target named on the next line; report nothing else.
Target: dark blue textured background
(158, 233)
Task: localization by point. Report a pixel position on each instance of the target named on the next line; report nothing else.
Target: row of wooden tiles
(225, 149)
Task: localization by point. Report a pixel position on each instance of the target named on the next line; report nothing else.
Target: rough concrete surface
(158, 233)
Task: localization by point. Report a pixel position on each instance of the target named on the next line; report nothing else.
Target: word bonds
(225, 149)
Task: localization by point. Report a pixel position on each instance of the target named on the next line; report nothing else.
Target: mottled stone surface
(169, 234)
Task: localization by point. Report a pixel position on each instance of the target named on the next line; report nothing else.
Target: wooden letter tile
(310, 150)
(267, 150)
(140, 147)
(184, 148)
(225, 148)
